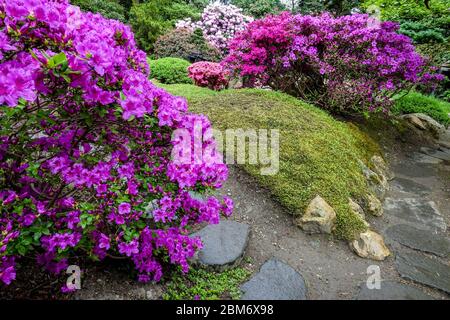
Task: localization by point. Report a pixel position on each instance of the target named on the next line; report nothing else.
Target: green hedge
(415, 102)
(170, 70)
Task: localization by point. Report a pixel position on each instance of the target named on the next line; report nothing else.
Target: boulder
(370, 245)
(373, 205)
(378, 183)
(380, 167)
(319, 217)
(424, 122)
(358, 210)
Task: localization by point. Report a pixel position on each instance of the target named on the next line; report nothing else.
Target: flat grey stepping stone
(443, 155)
(423, 213)
(415, 170)
(425, 270)
(423, 240)
(392, 290)
(275, 280)
(410, 186)
(224, 244)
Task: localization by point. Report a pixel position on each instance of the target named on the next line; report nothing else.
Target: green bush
(107, 8)
(170, 70)
(415, 102)
(422, 32)
(186, 44)
(154, 18)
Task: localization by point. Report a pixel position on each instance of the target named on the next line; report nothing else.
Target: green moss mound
(170, 70)
(415, 102)
(318, 154)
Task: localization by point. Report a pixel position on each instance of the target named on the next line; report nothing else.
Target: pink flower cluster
(85, 147)
(219, 23)
(345, 63)
(208, 74)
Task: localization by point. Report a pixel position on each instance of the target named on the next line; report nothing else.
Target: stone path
(275, 281)
(224, 244)
(418, 230)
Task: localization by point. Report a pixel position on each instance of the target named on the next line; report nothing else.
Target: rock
(423, 240)
(445, 144)
(320, 217)
(418, 211)
(356, 208)
(415, 121)
(420, 268)
(425, 122)
(426, 159)
(378, 184)
(415, 170)
(392, 290)
(373, 205)
(224, 244)
(276, 280)
(410, 186)
(370, 245)
(443, 154)
(380, 167)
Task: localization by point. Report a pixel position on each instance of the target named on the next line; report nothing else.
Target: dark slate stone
(415, 170)
(425, 270)
(392, 290)
(423, 240)
(224, 244)
(424, 213)
(443, 155)
(410, 186)
(275, 280)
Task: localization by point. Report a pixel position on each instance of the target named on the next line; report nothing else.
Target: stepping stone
(423, 240)
(224, 244)
(415, 170)
(410, 186)
(442, 155)
(426, 159)
(275, 281)
(423, 213)
(420, 268)
(392, 290)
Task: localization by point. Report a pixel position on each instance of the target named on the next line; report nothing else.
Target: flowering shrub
(219, 23)
(208, 74)
(85, 145)
(186, 44)
(340, 63)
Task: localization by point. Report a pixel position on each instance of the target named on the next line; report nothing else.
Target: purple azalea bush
(349, 63)
(219, 23)
(85, 148)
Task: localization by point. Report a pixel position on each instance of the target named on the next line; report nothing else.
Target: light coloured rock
(377, 183)
(319, 217)
(415, 121)
(426, 123)
(380, 167)
(358, 210)
(373, 205)
(370, 245)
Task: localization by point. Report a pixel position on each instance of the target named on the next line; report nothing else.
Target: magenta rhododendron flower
(85, 147)
(343, 63)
